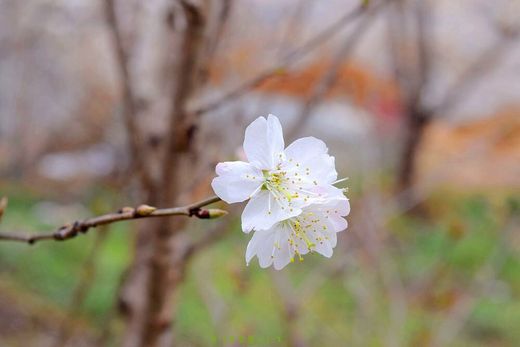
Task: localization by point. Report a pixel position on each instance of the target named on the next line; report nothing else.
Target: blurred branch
(129, 103)
(330, 77)
(181, 128)
(70, 231)
(82, 289)
(289, 59)
(179, 149)
(476, 71)
(292, 30)
(214, 37)
(3, 206)
(423, 18)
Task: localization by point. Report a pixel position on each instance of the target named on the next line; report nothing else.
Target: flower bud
(145, 210)
(216, 213)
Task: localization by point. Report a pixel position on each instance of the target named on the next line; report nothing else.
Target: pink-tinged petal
(263, 142)
(236, 181)
(338, 223)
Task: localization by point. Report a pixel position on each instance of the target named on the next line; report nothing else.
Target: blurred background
(113, 103)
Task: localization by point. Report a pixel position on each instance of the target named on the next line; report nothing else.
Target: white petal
(324, 248)
(270, 247)
(338, 223)
(333, 239)
(253, 245)
(283, 255)
(306, 147)
(263, 211)
(310, 156)
(326, 196)
(333, 212)
(266, 248)
(263, 142)
(236, 182)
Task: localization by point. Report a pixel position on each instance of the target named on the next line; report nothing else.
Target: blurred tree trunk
(416, 122)
(409, 24)
(148, 295)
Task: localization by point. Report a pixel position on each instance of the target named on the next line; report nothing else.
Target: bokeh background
(418, 100)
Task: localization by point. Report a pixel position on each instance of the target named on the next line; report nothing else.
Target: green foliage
(437, 257)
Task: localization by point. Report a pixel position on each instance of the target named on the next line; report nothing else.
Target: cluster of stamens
(285, 186)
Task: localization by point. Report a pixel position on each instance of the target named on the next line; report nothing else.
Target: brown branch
(289, 59)
(129, 103)
(214, 37)
(70, 231)
(3, 206)
(182, 125)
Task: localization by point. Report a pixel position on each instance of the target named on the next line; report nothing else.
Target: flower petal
(324, 248)
(308, 147)
(283, 254)
(309, 155)
(252, 246)
(270, 247)
(266, 247)
(237, 181)
(263, 211)
(333, 212)
(264, 142)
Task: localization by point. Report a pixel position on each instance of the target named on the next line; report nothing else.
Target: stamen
(340, 180)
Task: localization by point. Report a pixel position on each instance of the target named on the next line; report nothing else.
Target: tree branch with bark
(71, 230)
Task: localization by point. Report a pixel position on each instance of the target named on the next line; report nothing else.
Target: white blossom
(314, 230)
(279, 182)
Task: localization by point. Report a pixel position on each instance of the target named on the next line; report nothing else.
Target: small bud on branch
(145, 210)
(71, 230)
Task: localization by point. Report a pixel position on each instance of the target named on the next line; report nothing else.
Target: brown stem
(417, 122)
(72, 230)
(166, 267)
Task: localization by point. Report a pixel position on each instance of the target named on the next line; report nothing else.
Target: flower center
(296, 236)
(276, 182)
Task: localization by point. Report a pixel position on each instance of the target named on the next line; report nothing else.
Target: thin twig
(182, 124)
(70, 231)
(331, 75)
(3, 206)
(289, 59)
